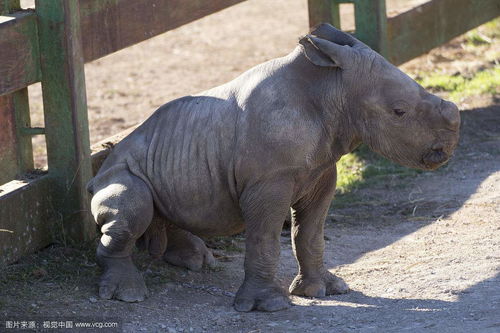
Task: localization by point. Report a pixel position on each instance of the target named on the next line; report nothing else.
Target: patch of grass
(363, 168)
(476, 38)
(492, 28)
(486, 81)
(483, 82)
(442, 82)
(484, 35)
(349, 172)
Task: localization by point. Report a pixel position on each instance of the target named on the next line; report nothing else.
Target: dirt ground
(421, 254)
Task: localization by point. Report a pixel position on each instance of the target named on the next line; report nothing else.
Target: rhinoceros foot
(187, 250)
(121, 280)
(263, 297)
(326, 284)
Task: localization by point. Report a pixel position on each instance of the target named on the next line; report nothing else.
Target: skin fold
(238, 156)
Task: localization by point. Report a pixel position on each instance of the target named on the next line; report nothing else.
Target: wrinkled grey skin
(240, 155)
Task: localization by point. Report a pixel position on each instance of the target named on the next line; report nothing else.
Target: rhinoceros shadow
(361, 313)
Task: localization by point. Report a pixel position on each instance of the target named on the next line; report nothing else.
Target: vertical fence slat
(16, 154)
(371, 24)
(23, 121)
(323, 11)
(8, 144)
(65, 111)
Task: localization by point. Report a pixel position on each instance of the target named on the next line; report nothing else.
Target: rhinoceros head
(390, 112)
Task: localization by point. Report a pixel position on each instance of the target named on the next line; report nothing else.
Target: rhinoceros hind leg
(154, 240)
(187, 250)
(123, 207)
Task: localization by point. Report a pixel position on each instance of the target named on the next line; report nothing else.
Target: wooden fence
(51, 44)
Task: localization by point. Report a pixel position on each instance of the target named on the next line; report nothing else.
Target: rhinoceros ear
(324, 53)
(332, 34)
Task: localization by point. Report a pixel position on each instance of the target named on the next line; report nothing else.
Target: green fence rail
(51, 44)
(409, 34)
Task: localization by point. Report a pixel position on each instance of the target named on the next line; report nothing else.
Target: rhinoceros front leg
(123, 207)
(313, 279)
(264, 209)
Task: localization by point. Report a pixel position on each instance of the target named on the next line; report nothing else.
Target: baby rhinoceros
(240, 155)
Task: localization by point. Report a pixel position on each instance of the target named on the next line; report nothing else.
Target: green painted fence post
(65, 112)
(323, 11)
(371, 24)
(370, 17)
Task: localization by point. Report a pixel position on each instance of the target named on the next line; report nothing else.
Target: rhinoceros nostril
(435, 157)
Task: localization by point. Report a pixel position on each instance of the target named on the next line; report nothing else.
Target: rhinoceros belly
(189, 166)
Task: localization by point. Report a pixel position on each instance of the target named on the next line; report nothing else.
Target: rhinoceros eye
(399, 112)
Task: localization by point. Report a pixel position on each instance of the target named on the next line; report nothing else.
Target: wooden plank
(8, 142)
(23, 123)
(417, 31)
(111, 25)
(18, 51)
(16, 156)
(321, 11)
(371, 24)
(26, 217)
(65, 111)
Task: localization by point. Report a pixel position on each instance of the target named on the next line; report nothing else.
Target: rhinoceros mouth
(434, 159)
